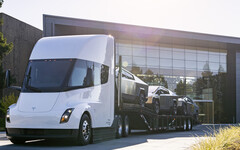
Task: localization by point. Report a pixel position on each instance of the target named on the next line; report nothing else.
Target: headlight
(8, 115)
(66, 115)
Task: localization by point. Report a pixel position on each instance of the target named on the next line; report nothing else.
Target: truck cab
(68, 89)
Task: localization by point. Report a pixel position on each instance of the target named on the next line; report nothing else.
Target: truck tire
(119, 127)
(184, 128)
(125, 126)
(85, 131)
(142, 99)
(156, 106)
(189, 124)
(174, 109)
(184, 110)
(17, 141)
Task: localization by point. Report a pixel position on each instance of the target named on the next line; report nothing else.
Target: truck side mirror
(7, 82)
(7, 79)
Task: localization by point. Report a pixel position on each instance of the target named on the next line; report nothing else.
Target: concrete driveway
(171, 140)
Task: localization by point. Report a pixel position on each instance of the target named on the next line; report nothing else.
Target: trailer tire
(119, 127)
(142, 99)
(85, 131)
(189, 124)
(174, 109)
(184, 110)
(184, 128)
(17, 141)
(156, 106)
(125, 126)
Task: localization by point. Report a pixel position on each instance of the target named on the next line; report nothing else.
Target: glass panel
(214, 66)
(139, 61)
(178, 72)
(223, 58)
(139, 51)
(178, 55)
(178, 64)
(124, 50)
(166, 62)
(166, 71)
(153, 62)
(191, 56)
(151, 77)
(214, 58)
(165, 54)
(126, 61)
(203, 66)
(202, 57)
(153, 53)
(222, 67)
(190, 73)
(191, 64)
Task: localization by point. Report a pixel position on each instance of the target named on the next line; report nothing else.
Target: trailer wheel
(142, 99)
(189, 124)
(184, 109)
(156, 106)
(125, 126)
(85, 131)
(119, 127)
(184, 125)
(174, 109)
(17, 141)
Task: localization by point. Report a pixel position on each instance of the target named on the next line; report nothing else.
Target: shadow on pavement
(135, 139)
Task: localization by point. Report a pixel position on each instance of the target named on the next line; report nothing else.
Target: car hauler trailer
(69, 92)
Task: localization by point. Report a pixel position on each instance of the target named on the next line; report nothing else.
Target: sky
(221, 17)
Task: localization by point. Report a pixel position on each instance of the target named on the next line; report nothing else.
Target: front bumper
(32, 134)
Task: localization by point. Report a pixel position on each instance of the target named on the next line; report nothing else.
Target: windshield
(46, 75)
(62, 75)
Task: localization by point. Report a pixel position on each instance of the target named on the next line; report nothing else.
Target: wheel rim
(126, 125)
(157, 107)
(142, 100)
(85, 130)
(119, 127)
(189, 124)
(184, 125)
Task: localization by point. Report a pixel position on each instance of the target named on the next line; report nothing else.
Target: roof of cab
(88, 47)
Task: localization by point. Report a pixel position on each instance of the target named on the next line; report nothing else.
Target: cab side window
(164, 91)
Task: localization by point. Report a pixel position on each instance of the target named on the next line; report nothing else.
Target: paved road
(170, 140)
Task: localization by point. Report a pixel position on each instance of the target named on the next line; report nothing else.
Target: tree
(5, 48)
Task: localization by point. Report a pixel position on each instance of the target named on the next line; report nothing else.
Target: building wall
(23, 37)
(207, 62)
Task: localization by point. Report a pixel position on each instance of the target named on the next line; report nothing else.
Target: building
(204, 67)
(23, 37)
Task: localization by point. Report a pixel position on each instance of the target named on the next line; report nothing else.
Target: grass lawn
(226, 138)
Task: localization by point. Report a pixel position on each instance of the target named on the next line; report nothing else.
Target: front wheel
(85, 131)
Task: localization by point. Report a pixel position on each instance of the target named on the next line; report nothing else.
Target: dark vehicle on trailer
(162, 100)
(186, 106)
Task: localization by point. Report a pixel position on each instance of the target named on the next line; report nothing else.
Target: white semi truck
(69, 92)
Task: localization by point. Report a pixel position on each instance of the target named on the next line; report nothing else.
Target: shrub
(6, 102)
(225, 138)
